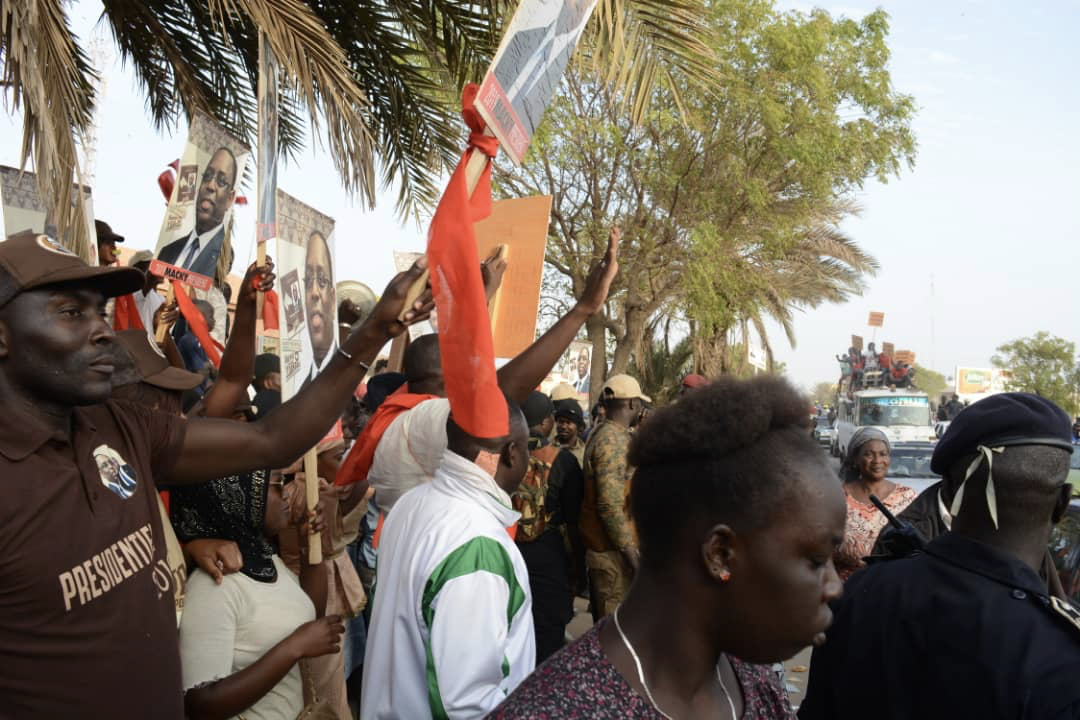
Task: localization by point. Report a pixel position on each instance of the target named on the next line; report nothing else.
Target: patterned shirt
(605, 523)
(580, 682)
(864, 522)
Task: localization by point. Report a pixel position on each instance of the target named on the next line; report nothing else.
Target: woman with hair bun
(738, 518)
(864, 471)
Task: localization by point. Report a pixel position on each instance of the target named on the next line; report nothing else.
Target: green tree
(824, 393)
(930, 382)
(381, 79)
(729, 193)
(1043, 364)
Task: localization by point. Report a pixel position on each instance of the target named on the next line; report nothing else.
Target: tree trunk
(634, 331)
(711, 354)
(597, 333)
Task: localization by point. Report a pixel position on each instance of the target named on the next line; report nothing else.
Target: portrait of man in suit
(533, 52)
(320, 303)
(199, 251)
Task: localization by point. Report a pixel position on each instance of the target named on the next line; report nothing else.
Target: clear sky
(988, 213)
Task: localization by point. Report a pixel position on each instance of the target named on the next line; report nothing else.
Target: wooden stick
(162, 328)
(311, 480)
(474, 170)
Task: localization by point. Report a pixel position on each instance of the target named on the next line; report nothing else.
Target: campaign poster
(577, 367)
(308, 309)
(193, 232)
(528, 67)
(25, 210)
(268, 141)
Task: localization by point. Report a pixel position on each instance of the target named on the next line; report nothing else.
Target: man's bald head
(423, 366)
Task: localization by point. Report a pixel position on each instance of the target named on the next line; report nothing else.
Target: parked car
(1065, 548)
(823, 431)
(1074, 469)
(940, 427)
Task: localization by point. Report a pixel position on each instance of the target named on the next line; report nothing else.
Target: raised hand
(256, 280)
(492, 271)
(598, 283)
(390, 316)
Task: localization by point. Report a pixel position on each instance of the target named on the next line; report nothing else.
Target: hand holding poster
(193, 233)
(308, 322)
(527, 68)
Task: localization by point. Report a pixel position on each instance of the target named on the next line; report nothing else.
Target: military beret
(1002, 420)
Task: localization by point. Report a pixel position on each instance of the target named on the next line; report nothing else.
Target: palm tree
(821, 265)
(378, 79)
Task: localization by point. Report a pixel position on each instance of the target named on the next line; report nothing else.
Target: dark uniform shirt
(960, 631)
(87, 615)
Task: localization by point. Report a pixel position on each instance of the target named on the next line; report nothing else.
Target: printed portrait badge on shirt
(47, 243)
(115, 472)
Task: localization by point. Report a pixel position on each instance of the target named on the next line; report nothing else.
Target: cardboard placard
(193, 233)
(857, 342)
(889, 349)
(877, 319)
(24, 209)
(308, 324)
(172, 272)
(904, 356)
(522, 226)
(527, 69)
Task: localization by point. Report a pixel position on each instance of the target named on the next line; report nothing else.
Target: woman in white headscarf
(865, 471)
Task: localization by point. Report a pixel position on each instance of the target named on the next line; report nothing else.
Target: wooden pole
(170, 298)
(311, 481)
(474, 170)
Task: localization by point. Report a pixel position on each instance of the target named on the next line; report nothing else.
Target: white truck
(903, 415)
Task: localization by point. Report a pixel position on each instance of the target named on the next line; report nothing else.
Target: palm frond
(637, 43)
(47, 73)
(316, 68)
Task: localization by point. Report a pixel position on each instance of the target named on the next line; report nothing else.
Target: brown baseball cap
(34, 261)
(105, 233)
(152, 365)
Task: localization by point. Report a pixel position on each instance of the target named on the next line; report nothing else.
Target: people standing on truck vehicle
(864, 472)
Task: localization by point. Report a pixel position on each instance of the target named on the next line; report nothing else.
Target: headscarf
(229, 508)
(863, 435)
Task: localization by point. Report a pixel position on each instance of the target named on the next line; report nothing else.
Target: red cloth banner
(126, 314)
(468, 354)
(197, 323)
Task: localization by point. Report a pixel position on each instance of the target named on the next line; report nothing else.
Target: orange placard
(888, 348)
(905, 356)
(877, 319)
(856, 342)
(522, 226)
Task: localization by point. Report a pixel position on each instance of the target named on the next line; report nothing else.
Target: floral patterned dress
(864, 522)
(580, 682)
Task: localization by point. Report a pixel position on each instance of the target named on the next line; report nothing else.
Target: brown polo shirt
(87, 616)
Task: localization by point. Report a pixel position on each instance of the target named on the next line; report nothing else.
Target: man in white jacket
(451, 630)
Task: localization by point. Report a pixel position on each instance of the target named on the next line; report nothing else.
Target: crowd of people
(157, 531)
(859, 370)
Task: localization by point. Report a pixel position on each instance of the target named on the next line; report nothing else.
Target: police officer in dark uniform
(966, 628)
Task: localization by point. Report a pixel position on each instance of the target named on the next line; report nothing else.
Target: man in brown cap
(611, 548)
(106, 243)
(87, 591)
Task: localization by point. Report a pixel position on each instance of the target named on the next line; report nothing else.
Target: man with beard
(320, 303)
(199, 251)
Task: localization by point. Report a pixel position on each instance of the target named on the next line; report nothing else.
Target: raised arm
(524, 373)
(238, 360)
(215, 448)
